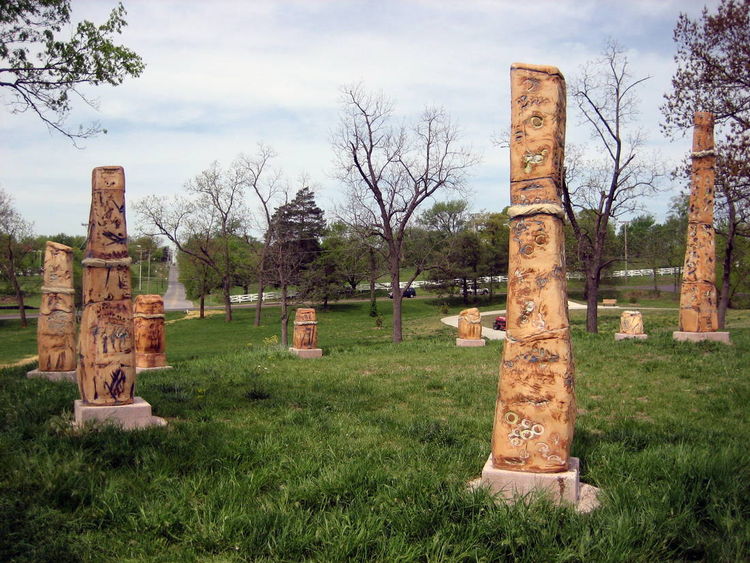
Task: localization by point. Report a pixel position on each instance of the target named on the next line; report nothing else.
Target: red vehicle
(499, 323)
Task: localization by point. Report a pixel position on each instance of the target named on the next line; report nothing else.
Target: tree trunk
(397, 335)
(592, 296)
(284, 318)
(373, 266)
(724, 294)
(465, 290)
(259, 304)
(19, 297)
(203, 306)
(226, 289)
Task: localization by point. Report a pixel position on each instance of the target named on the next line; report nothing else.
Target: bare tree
(391, 170)
(267, 185)
(209, 215)
(614, 185)
(14, 229)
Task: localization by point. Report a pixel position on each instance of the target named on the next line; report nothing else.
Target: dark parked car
(499, 323)
(408, 292)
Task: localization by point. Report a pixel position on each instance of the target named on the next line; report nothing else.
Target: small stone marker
(56, 327)
(631, 326)
(150, 335)
(536, 409)
(305, 339)
(470, 328)
(698, 313)
(106, 364)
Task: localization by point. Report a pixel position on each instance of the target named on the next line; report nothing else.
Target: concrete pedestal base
(682, 336)
(307, 352)
(470, 343)
(155, 368)
(53, 375)
(625, 336)
(565, 487)
(129, 417)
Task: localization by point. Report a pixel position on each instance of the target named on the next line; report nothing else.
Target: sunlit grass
(364, 454)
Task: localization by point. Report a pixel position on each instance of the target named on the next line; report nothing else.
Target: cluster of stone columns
(535, 411)
(698, 311)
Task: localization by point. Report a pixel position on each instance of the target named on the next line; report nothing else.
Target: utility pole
(140, 267)
(148, 275)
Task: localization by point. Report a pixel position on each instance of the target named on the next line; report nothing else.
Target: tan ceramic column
(56, 329)
(106, 366)
(698, 293)
(305, 330)
(150, 341)
(535, 411)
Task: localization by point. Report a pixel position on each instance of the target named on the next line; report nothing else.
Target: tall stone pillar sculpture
(631, 326)
(305, 339)
(698, 313)
(470, 328)
(56, 327)
(106, 347)
(535, 411)
(150, 337)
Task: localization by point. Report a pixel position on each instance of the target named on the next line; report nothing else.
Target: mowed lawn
(364, 454)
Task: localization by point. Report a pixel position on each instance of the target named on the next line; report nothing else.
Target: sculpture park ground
(365, 453)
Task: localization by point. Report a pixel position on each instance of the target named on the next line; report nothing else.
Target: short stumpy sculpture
(106, 366)
(631, 326)
(150, 339)
(305, 338)
(535, 411)
(469, 328)
(698, 313)
(56, 329)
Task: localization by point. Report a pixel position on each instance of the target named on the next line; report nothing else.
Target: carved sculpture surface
(56, 329)
(698, 293)
(631, 322)
(106, 364)
(148, 323)
(305, 330)
(535, 411)
(470, 324)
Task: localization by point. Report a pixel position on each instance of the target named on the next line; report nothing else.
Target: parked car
(499, 323)
(482, 291)
(408, 292)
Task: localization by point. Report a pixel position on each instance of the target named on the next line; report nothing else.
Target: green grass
(364, 454)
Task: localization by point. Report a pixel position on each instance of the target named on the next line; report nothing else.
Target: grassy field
(365, 453)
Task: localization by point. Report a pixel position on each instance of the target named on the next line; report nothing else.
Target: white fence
(275, 295)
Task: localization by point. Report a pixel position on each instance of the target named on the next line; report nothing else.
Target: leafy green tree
(15, 246)
(213, 212)
(198, 277)
(42, 72)
(494, 235)
(296, 230)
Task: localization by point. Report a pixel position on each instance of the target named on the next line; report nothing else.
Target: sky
(223, 76)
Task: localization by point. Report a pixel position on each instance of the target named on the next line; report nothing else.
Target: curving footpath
(491, 333)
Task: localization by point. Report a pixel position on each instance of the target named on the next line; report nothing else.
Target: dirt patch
(22, 361)
(195, 315)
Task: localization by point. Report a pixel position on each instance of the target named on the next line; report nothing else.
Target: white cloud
(222, 76)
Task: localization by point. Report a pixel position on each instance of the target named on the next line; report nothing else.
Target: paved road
(174, 298)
